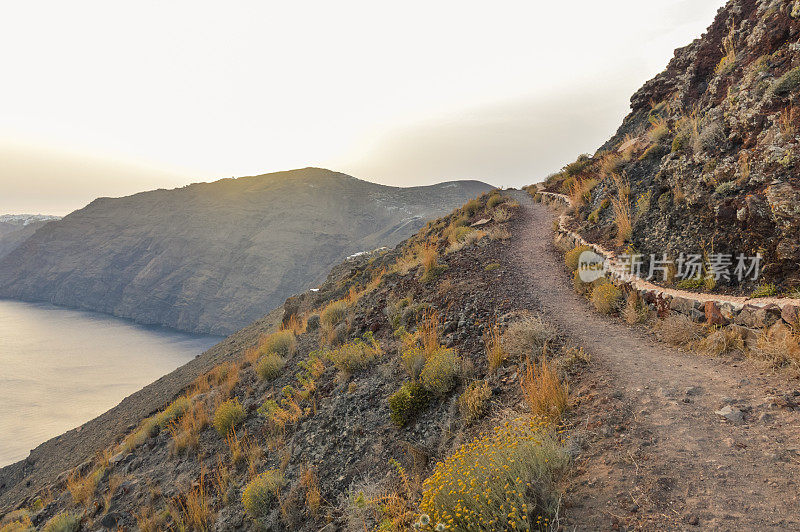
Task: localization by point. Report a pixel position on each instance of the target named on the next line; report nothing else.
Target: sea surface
(60, 368)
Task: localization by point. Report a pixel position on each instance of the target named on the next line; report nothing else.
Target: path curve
(662, 459)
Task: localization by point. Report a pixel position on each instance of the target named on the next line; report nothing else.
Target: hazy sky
(108, 98)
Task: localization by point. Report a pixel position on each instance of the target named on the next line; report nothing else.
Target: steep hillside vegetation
(410, 390)
(707, 161)
(213, 257)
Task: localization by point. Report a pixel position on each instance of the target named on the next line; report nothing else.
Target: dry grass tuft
(722, 341)
(545, 393)
(474, 402)
(635, 310)
(269, 367)
(780, 350)
(495, 354)
(527, 337)
(678, 330)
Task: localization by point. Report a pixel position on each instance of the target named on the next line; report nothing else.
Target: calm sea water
(60, 368)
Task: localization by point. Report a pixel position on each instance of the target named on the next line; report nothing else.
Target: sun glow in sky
(107, 98)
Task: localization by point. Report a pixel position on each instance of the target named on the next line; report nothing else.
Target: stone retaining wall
(772, 315)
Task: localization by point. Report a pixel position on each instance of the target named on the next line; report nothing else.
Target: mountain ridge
(213, 257)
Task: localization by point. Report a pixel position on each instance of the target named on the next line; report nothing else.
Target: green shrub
(606, 298)
(258, 495)
(691, 284)
(64, 522)
(406, 402)
(495, 200)
(282, 343)
(312, 323)
(787, 83)
(439, 372)
(765, 290)
(459, 233)
(726, 188)
(333, 313)
(227, 416)
(269, 366)
(492, 267)
(356, 355)
(176, 409)
(681, 141)
(573, 257)
(471, 207)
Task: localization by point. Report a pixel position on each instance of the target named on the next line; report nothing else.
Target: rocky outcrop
(711, 148)
(213, 257)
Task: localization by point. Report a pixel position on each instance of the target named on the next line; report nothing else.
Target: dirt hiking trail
(653, 454)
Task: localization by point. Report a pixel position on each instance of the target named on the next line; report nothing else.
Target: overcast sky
(108, 98)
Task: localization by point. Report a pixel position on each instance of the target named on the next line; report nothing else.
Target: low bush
(527, 336)
(333, 313)
(227, 416)
(413, 360)
(63, 522)
(356, 355)
(83, 488)
(270, 366)
(722, 341)
(765, 290)
(545, 393)
(259, 494)
(572, 258)
(405, 403)
(495, 200)
(431, 269)
(787, 83)
(504, 480)
(282, 343)
(678, 330)
(439, 373)
(606, 298)
(779, 350)
(474, 402)
(635, 310)
(471, 207)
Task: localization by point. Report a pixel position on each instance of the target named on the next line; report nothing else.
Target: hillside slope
(710, 152)
(337, 419)
(213, 257)
(15, 229)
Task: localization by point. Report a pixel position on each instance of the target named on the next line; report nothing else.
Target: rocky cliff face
(710, 149)
(213, 257)
(16, 228)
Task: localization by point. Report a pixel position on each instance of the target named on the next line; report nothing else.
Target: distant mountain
(213, 257)
(16, 228)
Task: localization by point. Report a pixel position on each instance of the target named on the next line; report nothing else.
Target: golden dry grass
(545, 393)
(678, 330)
(495, 354)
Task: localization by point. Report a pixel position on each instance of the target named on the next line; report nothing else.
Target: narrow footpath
(653, 454)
